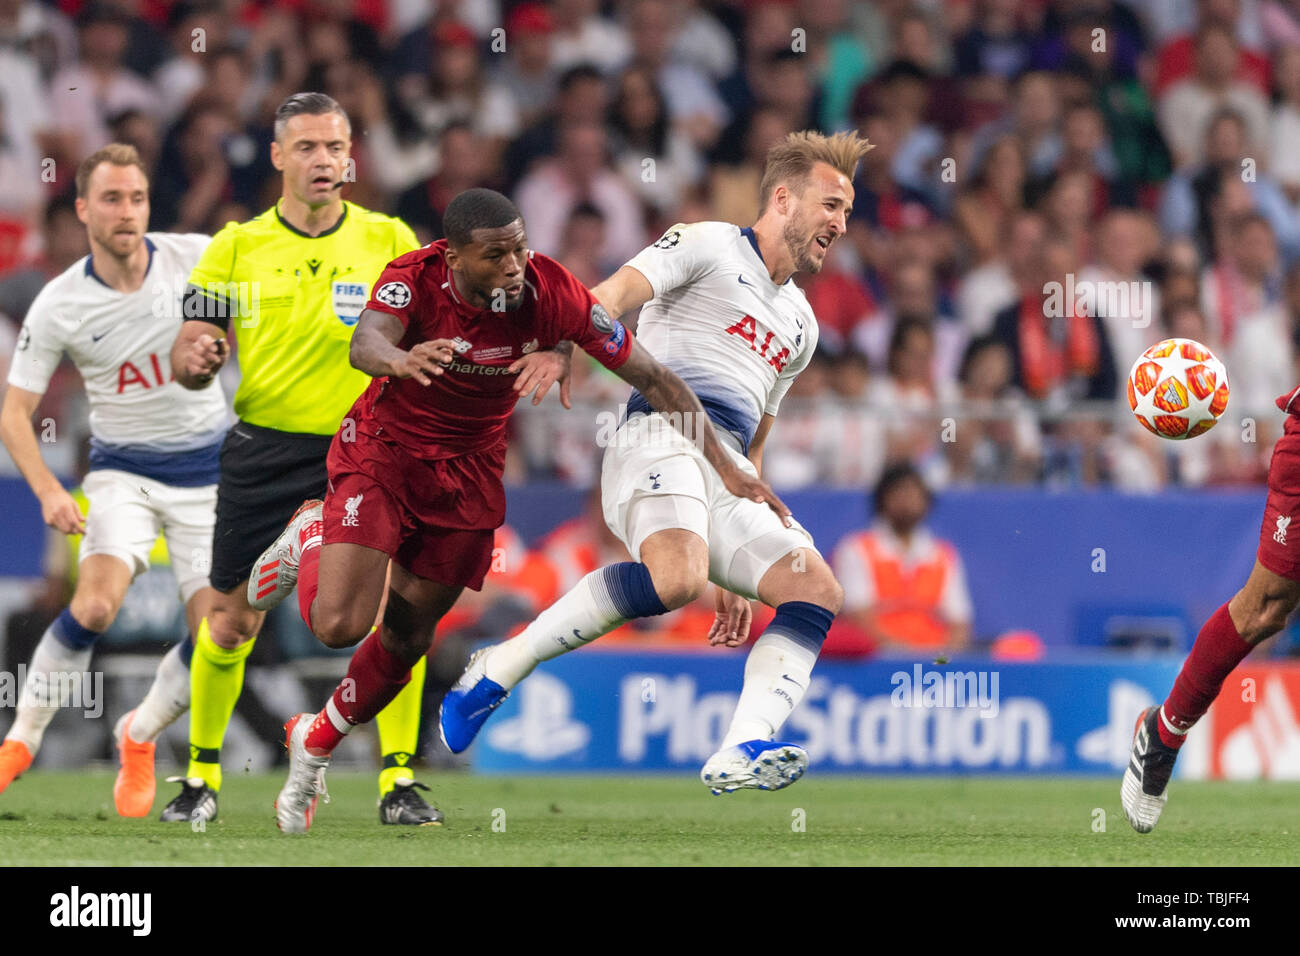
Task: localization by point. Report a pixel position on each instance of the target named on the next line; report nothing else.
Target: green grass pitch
(67, 819)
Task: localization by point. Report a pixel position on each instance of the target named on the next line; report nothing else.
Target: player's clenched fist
(205, 357)
(59, 510)
(424, 360)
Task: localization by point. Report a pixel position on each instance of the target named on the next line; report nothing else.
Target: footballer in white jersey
(720, 309)
(153, 456)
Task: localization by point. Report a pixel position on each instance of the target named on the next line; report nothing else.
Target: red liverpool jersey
(1288, 401)
(465, 409)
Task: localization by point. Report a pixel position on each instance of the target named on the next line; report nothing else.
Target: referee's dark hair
(895, 475)
(476, 209)
(306, 104)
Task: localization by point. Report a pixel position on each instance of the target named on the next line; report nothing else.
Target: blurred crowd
(1150, 144)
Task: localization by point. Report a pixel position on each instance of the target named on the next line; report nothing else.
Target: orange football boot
(14, 759)
(133, 791)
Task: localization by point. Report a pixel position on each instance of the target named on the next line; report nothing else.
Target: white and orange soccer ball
(1178, 389)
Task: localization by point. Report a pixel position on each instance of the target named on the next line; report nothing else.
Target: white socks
(577, 618)
(54, 671)
(776, 675)
(168, 698)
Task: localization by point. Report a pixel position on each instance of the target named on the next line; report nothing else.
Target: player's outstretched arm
(58, 508)
(668, 394)
(625, 290)
(198, 353)
(374, 350)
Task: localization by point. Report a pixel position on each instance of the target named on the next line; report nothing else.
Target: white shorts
(653, 478)
(128, 512)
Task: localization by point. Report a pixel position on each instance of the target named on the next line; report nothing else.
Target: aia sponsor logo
(760, 341)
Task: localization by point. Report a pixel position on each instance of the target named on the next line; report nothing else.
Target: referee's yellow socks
(216, 678)
(399, 730)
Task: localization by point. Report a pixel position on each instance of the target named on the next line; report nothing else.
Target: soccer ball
(1178, 389)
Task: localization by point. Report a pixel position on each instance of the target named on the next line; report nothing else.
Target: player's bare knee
(827, 593)
(228, 631)
(93, 612)
(337, 628)
(679, 587)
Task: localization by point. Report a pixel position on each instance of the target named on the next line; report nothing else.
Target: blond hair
(118, 154)
(790, 162)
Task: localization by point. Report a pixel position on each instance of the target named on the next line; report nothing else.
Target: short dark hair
(897, 474)
(577, 74)
(306, 104)
(473, 209)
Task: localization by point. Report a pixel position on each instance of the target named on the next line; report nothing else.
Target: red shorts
(1279, 542)
(434, 518)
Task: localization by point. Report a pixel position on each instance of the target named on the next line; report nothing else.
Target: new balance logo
(350, 506)
(1280, 534)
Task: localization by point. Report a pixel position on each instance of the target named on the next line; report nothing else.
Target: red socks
(375, 677)
(309, 574)
(1218, 649)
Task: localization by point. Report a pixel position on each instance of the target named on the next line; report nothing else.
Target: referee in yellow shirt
(290, 285)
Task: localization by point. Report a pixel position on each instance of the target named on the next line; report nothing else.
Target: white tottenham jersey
(721, 323)
(140, 418)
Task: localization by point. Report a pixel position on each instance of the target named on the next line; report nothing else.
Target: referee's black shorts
(265, 475)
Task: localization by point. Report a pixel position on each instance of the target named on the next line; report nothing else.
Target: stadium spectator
(582, 249)
(903, 586)
(840, 61)
(914, 297)
(1059, 353)
(733, 188)
(583, 36)
(580, 173)
(457, 88)
(194, 174)
(995, 44)
(989, 288)
(650, 152)
(1199, 202)
(902, 91)
(996, 194)
(693, 101)
(583, 95)
(996, 438)
(909, 398)
(1243, 279)
(1280, 22)
(63, 243)
(1285, 151)
(1177, 58)
(460, 165)
(1186, 108)
(1260, 339)
(1128, 301)
(528, 71)
(193, 32)
(98, 85)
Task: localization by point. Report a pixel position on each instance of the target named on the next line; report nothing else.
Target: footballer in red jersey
(1256, 612)
(454, 334)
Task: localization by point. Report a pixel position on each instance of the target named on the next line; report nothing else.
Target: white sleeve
(793, 368)
(681, 255)
(954, 603)
(854, 576)
(39, 348)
